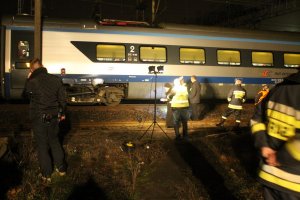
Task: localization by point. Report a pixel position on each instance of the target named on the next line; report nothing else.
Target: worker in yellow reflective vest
(276, 130)
(180, 108)
(236, 97)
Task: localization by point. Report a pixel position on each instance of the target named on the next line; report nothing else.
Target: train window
(22, 65)
(192, 56)
(262, 58)
(111, 52)
(229, 57)
(153, 54)
(292, 59)
(23, 49)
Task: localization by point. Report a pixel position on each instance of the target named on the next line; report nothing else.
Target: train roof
(51, 23)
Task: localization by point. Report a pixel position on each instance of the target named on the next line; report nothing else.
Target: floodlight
(154, 70)
(160, 69)
(151, 69)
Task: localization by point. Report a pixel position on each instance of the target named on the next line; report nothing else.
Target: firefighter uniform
(276, 126)
(236, 97)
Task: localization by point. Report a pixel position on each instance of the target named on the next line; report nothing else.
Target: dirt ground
(213, 164)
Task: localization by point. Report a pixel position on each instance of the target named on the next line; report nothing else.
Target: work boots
(176, 129)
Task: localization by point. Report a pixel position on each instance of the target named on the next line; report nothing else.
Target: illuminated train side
(121, 56)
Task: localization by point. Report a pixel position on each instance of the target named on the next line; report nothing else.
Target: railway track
(135, 117)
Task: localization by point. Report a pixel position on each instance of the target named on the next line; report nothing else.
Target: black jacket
(277, 125)
(46, 93)
(195, 91)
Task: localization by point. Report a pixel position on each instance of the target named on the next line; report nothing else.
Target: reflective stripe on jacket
(236, 97)
(277, 125)
(180, 99)
(260, 96)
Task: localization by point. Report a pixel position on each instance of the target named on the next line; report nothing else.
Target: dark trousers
(181, 115)
(169, 116)
(46, 137)
(195, 107)
(272, 194)
(237, 113)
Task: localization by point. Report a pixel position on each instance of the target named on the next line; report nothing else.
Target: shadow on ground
(10, 174)
(204, 171)
(244, 149)
(88, 191)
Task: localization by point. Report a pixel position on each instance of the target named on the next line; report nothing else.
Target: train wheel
(112, 99)
(112, 102)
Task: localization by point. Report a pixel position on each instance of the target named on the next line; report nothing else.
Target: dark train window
(262, 58)
(228, 57)
(153, 54)
(192, 56)
(23, 49)
(111, 52)
(22, 65)
(292, 59)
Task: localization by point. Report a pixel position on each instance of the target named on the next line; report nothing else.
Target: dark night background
(280, 15)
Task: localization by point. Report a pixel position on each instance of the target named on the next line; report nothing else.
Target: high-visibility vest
(181, 98)
(261, 95)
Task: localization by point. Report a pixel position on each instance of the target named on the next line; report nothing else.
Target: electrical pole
(153, 12)
(155, 7)
(38, 29)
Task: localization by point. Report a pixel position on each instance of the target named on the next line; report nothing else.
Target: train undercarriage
(94, 91)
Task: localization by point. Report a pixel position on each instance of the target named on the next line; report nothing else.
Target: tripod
(154, 123)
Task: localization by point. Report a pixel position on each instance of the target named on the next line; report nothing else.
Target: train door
(21, 54)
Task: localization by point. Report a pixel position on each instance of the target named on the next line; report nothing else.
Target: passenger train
(88, 54)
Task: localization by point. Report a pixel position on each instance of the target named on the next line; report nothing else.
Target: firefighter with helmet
(236, 97)
(276, 130)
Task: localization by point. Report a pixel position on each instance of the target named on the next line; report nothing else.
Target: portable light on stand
(155, 71)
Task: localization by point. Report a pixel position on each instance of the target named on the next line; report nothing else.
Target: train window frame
(262, 64)
(290, 65)
(22, 65)
(153, 46)
(23, 49)
(194, 61)
(229, 63)
(113, 60)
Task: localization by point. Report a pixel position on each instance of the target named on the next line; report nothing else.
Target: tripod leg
(163, 130)
(152, 131)
(146, 131)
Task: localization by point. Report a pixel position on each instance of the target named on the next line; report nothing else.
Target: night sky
(201, 12)
(178, 11)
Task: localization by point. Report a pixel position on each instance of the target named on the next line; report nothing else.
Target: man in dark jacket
(169, 95)
(47, 108)
(194, 98)
(276, 130)
(236, 97)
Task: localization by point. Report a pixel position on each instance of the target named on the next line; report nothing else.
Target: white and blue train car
(120, 56)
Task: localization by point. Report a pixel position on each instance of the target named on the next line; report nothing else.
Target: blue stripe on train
(204, 37)
(163, 79)
(149, 78)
